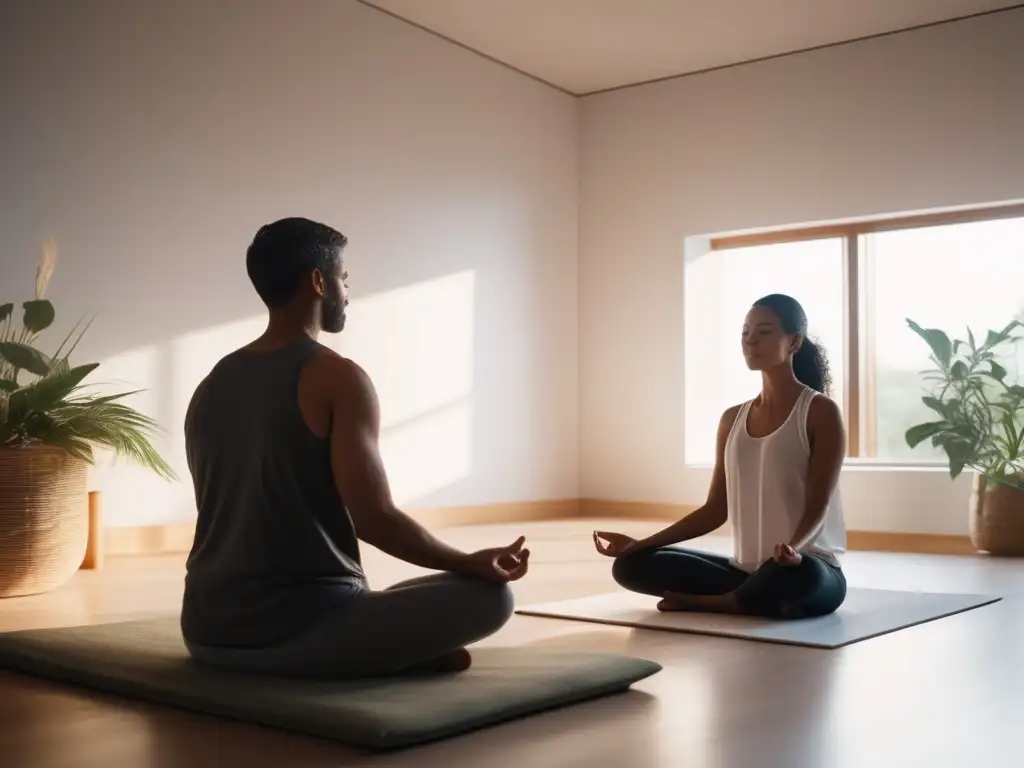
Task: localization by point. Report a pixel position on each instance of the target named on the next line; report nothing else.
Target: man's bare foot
(458, 660)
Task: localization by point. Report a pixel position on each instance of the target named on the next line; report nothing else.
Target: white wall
(154, 138)
(914, 121)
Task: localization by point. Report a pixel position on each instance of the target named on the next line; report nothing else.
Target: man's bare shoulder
(329, 361)
(339, 373)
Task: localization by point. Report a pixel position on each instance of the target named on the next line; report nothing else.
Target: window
(951, 277)
(859, 283)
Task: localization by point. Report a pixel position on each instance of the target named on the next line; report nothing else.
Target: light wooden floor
(947, 693)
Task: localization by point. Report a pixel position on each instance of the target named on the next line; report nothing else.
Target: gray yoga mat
(866, 613)
(147, 660)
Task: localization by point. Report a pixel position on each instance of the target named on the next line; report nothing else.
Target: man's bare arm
(360, 477)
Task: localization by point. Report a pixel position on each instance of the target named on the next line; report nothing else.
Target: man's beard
(332, 314)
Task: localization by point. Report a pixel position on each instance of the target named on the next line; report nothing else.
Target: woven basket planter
(997, 518)
(44, 519)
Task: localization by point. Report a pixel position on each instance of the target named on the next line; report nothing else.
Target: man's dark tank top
(273, 537)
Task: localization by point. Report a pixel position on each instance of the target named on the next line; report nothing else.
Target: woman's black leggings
(815, 587)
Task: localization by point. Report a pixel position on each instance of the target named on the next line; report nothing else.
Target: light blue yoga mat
(866, 613)
(147, 660)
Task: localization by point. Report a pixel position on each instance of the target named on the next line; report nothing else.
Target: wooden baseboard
(918, 543)
(177, 537)
(168, 538)
(875, 541)
(496, 514)
(632, 510)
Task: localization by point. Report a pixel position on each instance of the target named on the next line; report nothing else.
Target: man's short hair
(283, 253)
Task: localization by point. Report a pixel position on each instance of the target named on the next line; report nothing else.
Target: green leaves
(995, 338)
(48, 392)
(959, 455)
(940, 407)
(997, 371)
(938, 341)
(22, 356)
(71, 339)
(1013, 438)
(107, 423)
(981, 421)
(55, 409)
(45, 429)
(39, 315)
(921, 432)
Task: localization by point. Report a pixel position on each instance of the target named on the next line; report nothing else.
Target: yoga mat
(147, 660)
(866, 613)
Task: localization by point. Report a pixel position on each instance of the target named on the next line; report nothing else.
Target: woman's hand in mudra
(614, 544)
(786, 555)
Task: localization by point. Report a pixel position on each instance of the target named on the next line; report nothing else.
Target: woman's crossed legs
(700, 581)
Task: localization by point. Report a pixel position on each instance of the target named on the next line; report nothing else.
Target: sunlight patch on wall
(133, 495)
(415, 342)
(428, 453)
(136, 369)
(168, 374)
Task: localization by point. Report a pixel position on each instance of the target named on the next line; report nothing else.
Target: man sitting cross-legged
(282, 444)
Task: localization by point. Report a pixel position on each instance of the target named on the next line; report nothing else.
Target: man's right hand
(614, 544)
(501, 564)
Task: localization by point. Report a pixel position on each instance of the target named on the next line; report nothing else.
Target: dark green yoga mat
(147, 660)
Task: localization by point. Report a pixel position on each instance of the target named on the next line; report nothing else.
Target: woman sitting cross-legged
(778, 459)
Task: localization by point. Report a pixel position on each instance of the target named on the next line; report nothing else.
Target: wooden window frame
(858, 348)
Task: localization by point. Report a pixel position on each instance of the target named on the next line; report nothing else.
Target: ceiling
(583, 46)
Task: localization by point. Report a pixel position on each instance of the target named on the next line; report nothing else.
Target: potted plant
(50, 423)
(980, 426)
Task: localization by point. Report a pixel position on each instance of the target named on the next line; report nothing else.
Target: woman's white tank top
(766, 484)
